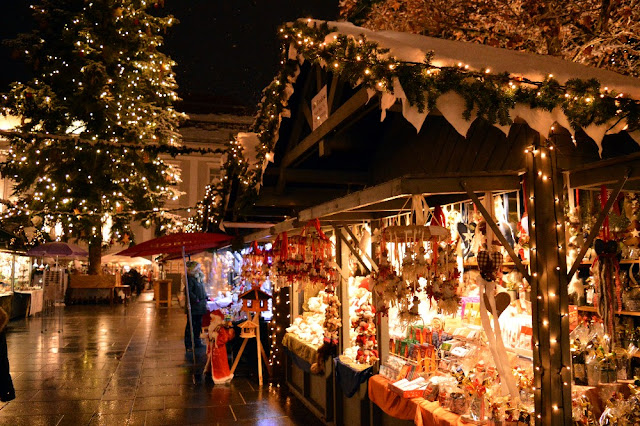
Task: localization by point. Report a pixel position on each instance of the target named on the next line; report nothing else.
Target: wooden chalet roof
(354, 151)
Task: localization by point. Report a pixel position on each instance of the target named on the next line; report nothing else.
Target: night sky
(225, 49)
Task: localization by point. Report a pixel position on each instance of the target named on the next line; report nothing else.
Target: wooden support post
(342, 259)
(257, 315)
(595, 230)
(549, 299)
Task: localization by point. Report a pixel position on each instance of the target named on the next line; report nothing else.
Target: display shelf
(524, 353)
(593, 309)
(504, 264)
(622, 262)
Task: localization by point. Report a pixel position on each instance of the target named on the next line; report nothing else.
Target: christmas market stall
(437, 205)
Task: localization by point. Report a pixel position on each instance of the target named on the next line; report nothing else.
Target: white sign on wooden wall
(319, 107)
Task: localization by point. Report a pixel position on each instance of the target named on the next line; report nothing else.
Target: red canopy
(173, 243)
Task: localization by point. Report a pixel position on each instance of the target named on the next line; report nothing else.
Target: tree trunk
(95, 255)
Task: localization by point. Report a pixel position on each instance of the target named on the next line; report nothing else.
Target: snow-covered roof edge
(413, 48)
(449, 53)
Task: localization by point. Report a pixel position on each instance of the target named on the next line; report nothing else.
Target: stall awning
(390, 197)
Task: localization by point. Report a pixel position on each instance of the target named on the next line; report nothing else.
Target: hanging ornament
(306, 259)
(427, 265)
(256, 266)
(605, 275)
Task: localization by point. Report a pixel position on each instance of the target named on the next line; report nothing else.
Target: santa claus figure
(218, 335)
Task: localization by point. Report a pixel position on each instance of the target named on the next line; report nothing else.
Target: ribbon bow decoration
(489, 264)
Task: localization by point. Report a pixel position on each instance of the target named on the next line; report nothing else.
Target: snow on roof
(412, 48)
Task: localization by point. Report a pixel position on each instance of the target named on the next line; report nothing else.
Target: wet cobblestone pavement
(118, 365)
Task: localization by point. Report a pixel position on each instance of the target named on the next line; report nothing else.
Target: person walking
(7, 392)
(198, 299)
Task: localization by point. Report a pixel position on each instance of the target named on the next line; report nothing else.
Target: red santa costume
(217, 362)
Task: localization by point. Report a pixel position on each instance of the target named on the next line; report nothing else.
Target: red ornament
(136, 21)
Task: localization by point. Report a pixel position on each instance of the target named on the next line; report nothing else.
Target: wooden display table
(91, 287)
(162, 292)
(35, 300)
(418, 410)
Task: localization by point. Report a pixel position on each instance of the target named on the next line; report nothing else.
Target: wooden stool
(162, 292)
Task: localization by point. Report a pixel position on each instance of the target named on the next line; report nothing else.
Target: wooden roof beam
(605, 172)
(272, 232)
(352, 105)
(402, 187)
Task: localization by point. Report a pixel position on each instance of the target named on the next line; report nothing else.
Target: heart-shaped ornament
(497, 259)
(502, 300)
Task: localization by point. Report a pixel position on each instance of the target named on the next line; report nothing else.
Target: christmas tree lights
(93, 120)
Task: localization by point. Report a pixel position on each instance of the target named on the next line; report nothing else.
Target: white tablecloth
(37, 300)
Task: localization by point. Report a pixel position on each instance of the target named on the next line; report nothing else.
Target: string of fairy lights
(361, 62)
(94, 119)
(540, 158)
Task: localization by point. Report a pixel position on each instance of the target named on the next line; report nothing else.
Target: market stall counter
(30, 301)
(352, 404)
(396, 408)
(314, 390)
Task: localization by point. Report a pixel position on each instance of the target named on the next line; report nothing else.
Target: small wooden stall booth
(379, 136)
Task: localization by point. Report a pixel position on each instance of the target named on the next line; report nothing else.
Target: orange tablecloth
(430, 413)
(421, 411)
(390, 402)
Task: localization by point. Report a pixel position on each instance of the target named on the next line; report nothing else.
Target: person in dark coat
(198, 298)
(7, 392)
(134, 280)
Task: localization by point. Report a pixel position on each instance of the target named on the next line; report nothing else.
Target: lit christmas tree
(599, 33)
(93, 120)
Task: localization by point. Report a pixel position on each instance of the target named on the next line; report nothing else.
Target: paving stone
(126, 365)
